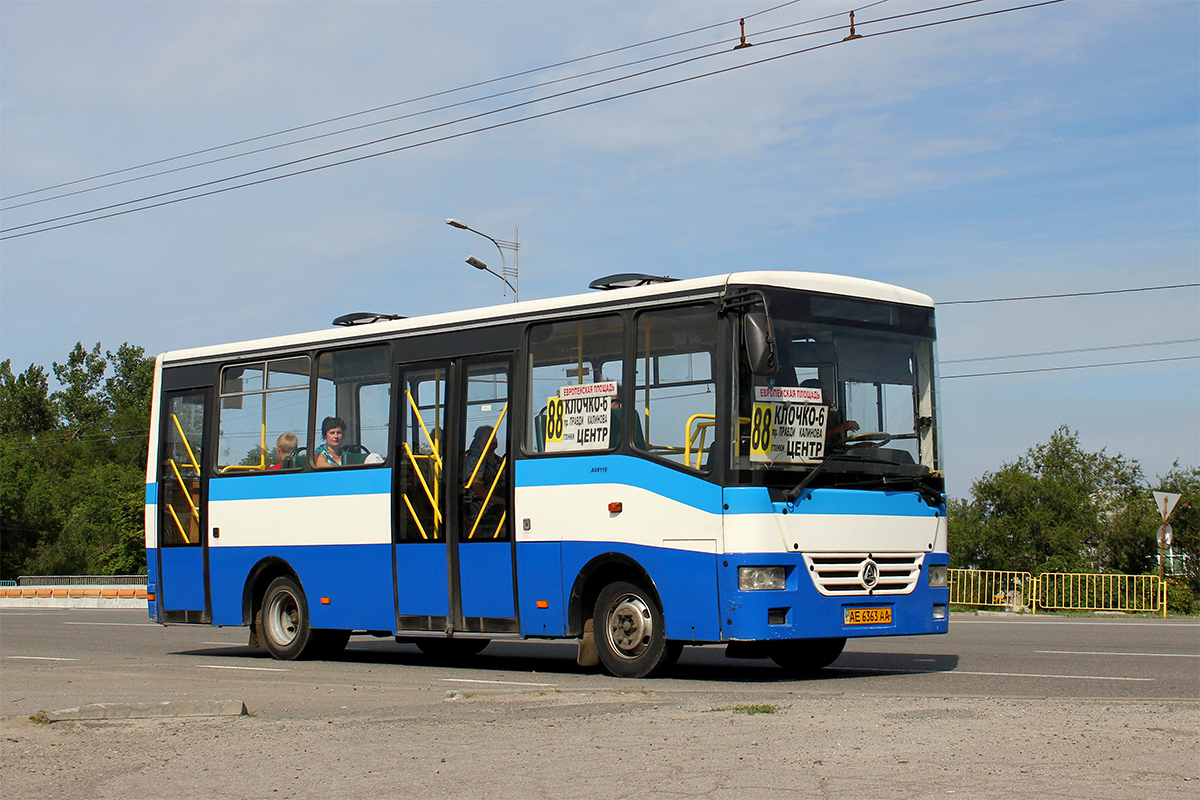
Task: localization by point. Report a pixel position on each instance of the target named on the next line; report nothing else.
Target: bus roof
(534, 309)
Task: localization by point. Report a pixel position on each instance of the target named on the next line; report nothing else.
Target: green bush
(1180, 599)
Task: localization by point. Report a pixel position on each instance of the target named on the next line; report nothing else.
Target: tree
(72, 464)
(1057, 508)
(80, 405)
(1185, 519)
(25, 407)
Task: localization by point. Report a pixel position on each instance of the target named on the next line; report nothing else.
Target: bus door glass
(453, 530)
(484, 522)
(182, 495)
(419, 505)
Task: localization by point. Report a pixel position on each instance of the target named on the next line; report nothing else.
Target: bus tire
(285, 627)
(630, 634)
(805, 656)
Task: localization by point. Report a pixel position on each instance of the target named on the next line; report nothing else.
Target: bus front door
(182, 552)
(453, 545)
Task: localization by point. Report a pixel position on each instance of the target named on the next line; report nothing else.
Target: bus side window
(675, 393)
(353, 387)
(587, 353)
(262, 405)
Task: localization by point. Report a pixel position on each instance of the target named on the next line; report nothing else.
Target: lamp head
(455, 223)
(476, 263)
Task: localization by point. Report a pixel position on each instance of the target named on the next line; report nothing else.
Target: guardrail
(1058, 591)
(81, 580)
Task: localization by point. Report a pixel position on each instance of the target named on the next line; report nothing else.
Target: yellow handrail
(431, 495)
(428, 437)
(413, 511)
(488, 498)
(690, 436)
(179, 524)
(184, 438)
(437, 514)
(486, 446)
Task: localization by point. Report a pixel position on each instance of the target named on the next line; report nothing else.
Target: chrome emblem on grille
(869, 574)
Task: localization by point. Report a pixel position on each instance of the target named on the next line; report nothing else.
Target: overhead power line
(1074, 350)
(341, 131)
(1077, 366)
(1067, 294)
(447, 137)
(431, 96)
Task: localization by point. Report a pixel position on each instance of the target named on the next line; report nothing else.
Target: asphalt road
(62, 658)
(1081, 707)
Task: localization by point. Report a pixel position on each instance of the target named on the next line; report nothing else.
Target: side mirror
(760, 344)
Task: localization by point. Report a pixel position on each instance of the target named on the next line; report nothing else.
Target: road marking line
(252, 669)
(43, 658)
(992, 674)
(122, 624)
(505, 683)
(1094, 653)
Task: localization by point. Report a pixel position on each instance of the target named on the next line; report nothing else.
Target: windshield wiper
(791, 494)
(930, 495)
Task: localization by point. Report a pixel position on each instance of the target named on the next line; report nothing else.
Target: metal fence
(986, 587)
(81, 580)
(1058, 591)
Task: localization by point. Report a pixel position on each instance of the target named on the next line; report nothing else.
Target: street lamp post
(506, 272)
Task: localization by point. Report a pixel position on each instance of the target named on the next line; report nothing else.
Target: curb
(170, 708)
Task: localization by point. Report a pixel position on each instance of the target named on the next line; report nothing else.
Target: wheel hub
(630, 626)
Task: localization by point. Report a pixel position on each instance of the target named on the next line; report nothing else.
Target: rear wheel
(805, 656)
(285, 628)
(630, 633)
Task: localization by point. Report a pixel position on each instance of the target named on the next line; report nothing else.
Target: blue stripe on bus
(624, 470)
(286, 485)
(582, 470)
(755, 500)
(699, 493)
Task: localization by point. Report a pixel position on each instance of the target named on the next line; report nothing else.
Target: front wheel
(285, 628)
(630, 633)
(805, 656)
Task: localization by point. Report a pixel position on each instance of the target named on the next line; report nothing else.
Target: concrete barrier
(82, 596)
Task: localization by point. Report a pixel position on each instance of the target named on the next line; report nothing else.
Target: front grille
(842, 574)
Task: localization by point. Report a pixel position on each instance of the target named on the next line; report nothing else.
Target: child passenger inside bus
(285, 446)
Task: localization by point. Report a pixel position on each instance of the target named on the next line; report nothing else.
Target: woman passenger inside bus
(330, 454)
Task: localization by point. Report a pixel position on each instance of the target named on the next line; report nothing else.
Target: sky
(1050, 150)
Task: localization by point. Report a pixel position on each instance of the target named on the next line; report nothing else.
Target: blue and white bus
(748, 459)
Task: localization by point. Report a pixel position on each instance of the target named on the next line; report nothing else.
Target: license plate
(868, 616)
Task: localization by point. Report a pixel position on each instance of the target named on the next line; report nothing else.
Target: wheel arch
(260, 577)
(594, 576)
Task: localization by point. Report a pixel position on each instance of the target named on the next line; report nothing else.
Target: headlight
(939, 575)
(751, 579)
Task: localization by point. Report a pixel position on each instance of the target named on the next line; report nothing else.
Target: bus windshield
(854, 387)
